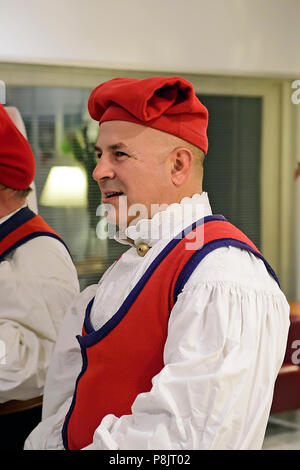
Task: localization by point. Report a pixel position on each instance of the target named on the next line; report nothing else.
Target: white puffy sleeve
(226, 342)
(38, 281)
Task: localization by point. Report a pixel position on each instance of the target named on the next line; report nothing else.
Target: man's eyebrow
(119, 145)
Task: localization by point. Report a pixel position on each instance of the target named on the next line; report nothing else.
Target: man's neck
(198, 190)
(10, 209)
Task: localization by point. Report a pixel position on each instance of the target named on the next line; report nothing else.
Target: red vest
(122, 357)
(22, 227)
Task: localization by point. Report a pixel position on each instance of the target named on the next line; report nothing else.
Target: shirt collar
(167, 223)
(11, 214)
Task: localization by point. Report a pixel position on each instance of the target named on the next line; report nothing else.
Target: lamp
(66, 186)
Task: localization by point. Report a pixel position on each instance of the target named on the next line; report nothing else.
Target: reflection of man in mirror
(37, 283)
(179, 347)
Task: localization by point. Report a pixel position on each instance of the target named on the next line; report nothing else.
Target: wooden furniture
(15, 406)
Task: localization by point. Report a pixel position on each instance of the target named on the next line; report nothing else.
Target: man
(38, 281)
(183, 337)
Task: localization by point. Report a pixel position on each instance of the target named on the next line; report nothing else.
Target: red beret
(165, 103)
(17, 165)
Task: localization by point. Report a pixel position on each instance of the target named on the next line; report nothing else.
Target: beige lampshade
(66, 186)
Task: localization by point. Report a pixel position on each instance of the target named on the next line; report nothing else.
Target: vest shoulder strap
(217, 233)
(22, 227)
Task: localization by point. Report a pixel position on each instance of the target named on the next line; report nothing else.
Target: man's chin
(123, 214)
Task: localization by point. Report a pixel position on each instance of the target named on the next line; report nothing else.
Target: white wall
(243, 37)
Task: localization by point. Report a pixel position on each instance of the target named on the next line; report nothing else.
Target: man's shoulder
(42, 245)
(233, 265)
(45, 255)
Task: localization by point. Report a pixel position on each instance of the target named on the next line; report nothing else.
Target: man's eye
(98, 155)
(120, 154)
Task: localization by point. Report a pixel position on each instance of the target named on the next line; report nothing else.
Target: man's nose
(103, 169)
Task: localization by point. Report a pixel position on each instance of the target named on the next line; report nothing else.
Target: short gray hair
(21, 193)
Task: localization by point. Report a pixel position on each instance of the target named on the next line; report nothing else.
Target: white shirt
(226, 342)
(38, 281)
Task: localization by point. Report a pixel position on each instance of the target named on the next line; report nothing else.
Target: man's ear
(182, 160)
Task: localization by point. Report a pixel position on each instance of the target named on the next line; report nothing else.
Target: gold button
(142, 248)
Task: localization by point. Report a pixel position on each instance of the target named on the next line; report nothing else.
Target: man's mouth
(111, 195)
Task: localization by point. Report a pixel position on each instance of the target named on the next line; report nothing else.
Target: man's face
(133, 162)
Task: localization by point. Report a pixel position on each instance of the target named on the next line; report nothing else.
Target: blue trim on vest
(28, 237)
(64, 431)
(198, 256)
(93, 336)
(87, 324)
(15, 221)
